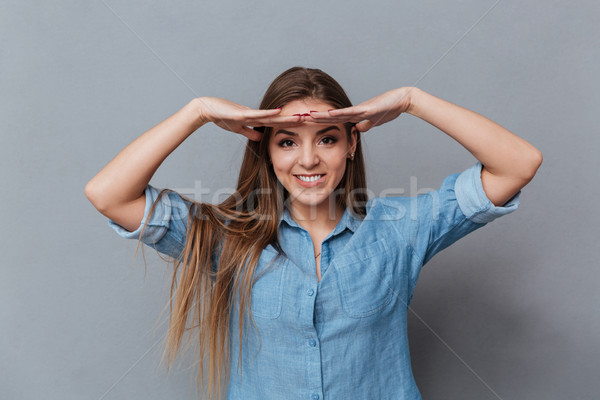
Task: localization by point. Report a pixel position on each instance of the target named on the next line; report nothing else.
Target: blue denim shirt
(345, 336)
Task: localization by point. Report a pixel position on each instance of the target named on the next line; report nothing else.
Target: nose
(309, 157)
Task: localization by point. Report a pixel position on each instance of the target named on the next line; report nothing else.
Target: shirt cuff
(157, 225)
(473, 201)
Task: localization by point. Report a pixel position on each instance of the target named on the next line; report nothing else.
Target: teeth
(309, 178)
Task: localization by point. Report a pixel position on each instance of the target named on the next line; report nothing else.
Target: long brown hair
(235, 232)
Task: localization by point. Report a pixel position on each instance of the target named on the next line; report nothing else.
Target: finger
(261, 128)
(284, 124)
(338, 120)
(348, 111)
(319, 114)
(249, 114)
(288, 119)
(326, 115)
(278, 125)
(365, 125)
(251, 133)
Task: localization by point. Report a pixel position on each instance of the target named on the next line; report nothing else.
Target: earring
(352, 156)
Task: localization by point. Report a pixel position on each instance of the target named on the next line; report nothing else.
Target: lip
(310, 184)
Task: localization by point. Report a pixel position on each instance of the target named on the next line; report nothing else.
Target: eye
(329, 140)
(286, 143)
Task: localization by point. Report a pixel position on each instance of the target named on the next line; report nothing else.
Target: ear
(353, 139)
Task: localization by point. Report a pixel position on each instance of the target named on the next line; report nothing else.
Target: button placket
(312, 350)
(324, 257)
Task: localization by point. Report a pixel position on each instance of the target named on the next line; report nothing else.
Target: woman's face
(310, 159)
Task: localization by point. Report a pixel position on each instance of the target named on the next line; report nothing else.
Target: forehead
(305, 106)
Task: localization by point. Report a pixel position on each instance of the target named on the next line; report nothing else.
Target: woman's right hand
(237, 118)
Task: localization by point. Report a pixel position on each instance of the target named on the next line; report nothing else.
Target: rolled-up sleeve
(457, 208)
(167, 225)
(473, 201)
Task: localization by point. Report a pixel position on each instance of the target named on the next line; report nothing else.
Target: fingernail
(306, 115)
(296, 115)
(331, 109)
(313, 111)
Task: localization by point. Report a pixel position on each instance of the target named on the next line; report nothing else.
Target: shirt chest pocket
(365, 279)
(267, 291)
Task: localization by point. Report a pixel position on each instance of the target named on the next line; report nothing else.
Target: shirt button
(314, 396)
(312, 342)
(310, 292)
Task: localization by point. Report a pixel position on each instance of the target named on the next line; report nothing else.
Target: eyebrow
(318, 133)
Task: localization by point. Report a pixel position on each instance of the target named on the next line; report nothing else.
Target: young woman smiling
(323, 273)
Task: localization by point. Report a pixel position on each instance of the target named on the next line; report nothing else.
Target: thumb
(251, 133)
(364, 125)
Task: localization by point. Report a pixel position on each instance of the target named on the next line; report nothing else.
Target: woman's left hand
(373, 112)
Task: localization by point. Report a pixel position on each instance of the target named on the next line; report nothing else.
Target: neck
(320, 217)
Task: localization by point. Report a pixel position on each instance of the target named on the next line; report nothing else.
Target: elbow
(534, 163)
(539, 159)
(92, 193)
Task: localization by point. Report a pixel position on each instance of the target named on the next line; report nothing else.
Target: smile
(309, 178)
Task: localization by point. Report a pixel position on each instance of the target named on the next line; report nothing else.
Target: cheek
(282, 163)
(338, 162)
(282, 159)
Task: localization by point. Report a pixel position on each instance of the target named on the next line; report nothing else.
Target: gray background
(509, 312)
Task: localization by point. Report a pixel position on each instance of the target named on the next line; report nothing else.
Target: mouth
(309, 180)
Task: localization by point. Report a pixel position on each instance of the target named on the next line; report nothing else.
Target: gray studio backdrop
(509, 312)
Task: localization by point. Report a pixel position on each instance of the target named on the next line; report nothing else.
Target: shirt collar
(347, 221)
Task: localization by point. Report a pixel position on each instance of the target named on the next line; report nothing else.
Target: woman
(298, 285)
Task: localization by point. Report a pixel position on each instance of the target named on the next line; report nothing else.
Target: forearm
(503, 153)
(125, 177)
